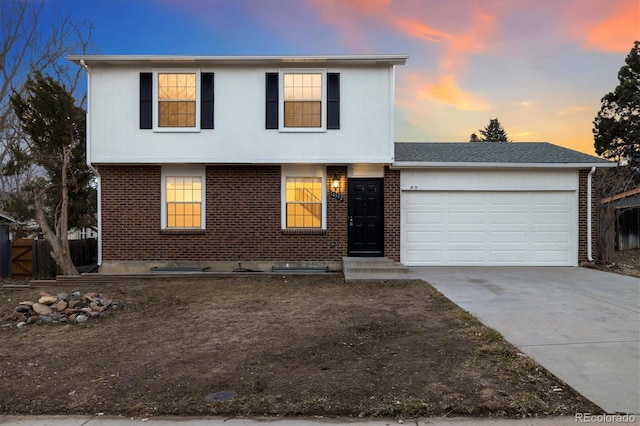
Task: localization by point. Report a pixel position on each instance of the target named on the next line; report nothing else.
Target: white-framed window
(177, 97)
(304, 202)
(183, 197)
(303, 98)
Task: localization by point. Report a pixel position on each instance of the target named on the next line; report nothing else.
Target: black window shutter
(271, 119)
(206, 100)
(146, 100)
(333, 100)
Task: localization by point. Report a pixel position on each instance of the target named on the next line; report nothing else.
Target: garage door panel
(419, 237)
(424, 218)
(466, 257)
(511, 257)
(548, 256)
(508, 218)
(425, 257)
(551, 238)
(464, 217)
(559, 218)
(509, 237)
(466, 237)
(489, 228)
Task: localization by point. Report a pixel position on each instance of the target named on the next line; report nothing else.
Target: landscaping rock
(64, 308)
(41, 309)
(48, 300)
(61, 305)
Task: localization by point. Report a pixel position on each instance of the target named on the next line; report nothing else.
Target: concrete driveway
(581, 324)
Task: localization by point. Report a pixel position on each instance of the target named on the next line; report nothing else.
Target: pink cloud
(617, 31)
(417, 29)
(445, 90)
(352, 18)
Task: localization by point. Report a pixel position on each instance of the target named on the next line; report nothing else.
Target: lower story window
(183, 201)
(303, 202)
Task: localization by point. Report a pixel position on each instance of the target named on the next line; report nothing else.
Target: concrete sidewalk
(581, 324)
(217, 421)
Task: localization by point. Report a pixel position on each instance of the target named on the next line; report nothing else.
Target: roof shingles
(491, 152)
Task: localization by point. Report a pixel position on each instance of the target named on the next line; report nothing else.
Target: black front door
(366, 217)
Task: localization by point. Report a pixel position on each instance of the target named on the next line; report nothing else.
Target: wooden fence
(628, 229)
(21, 258)
(83, 252)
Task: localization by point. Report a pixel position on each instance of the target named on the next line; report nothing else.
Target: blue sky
(540, 66)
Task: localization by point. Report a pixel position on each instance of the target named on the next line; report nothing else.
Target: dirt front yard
(627, 262)
(283, 345)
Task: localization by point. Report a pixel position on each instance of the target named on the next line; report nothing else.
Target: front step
(374, 268)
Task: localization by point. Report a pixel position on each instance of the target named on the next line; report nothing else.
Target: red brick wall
(243, 218)
(582, 216)
(392, 214)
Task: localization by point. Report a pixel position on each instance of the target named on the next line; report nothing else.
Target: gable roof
(492, 154)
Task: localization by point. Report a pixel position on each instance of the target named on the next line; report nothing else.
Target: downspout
(589, 213)
(93, 169)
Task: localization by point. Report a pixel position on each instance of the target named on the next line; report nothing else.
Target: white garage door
(489, 228)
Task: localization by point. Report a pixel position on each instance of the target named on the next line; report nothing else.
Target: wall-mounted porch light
(335, 183)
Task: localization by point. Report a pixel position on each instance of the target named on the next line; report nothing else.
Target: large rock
(61, 306)
(48, 300)
(41, 309)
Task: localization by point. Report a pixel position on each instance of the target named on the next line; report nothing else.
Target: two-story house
(207, 161)
(263, 160)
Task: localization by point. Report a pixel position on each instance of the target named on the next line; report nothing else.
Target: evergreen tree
(474, 138)
(616, 128)
(494, 132)
(55, 143)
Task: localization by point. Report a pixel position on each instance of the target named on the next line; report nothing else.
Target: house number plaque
(337, 196)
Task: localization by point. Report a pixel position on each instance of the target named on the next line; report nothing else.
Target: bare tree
(30, 43)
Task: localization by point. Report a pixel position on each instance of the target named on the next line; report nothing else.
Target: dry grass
(287, 345)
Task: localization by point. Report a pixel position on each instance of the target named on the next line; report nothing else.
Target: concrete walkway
(581, 324)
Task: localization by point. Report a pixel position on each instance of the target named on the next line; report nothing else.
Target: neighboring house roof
(625, 199)
(492, 154)
(628, 202)
(6, 216)
(235, 60)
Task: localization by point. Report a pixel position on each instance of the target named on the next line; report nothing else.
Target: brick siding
(243, 218)
(582, 216)
(392, 214)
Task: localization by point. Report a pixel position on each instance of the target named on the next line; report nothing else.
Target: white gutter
(88, 155)
(230, 60)
(589, 225)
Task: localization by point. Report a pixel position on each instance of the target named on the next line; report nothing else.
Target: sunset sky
(540, 66)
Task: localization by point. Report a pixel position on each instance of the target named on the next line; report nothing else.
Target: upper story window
(302, 100)
(176, 100)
